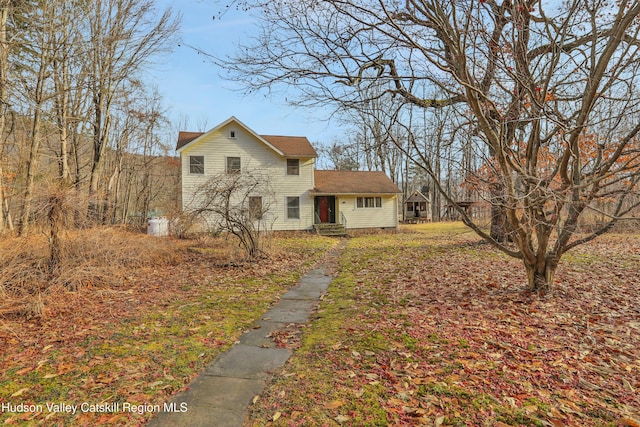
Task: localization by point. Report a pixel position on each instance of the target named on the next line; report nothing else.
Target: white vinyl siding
(385, 216)
(257, 158)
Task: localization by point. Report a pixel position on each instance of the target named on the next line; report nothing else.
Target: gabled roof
(416, 196)
(287, 146)
(353, 182)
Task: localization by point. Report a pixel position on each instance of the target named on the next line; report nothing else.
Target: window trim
(289, 199)
(193, 165)
(369, 202)
(230, 171)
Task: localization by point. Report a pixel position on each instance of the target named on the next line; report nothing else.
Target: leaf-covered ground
(433, 327)
(141, 333)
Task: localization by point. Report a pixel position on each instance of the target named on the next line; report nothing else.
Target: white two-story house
(299, 196)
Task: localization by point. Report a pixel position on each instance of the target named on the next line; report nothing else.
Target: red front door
(323, 209)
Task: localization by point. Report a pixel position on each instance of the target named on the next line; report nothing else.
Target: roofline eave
(299, 156)
(327, 193)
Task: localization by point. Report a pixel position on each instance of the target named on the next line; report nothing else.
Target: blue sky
(192, 89)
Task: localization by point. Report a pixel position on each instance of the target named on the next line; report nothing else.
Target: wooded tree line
(76, 119)
(376, 140)
(534, 106)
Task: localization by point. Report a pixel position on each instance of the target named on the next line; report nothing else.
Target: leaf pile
(435, 328)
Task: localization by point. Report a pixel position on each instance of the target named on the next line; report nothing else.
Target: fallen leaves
(629, 422)
(24, 370)
(342, 419)
(439, 330)
(20, 392)
(143, 336)
(334, 404)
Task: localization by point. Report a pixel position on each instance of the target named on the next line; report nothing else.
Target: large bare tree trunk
(43, 47)
(499, 225)
(32, 164)
(540, 275)
(101, 127)
(4, 58)
(54, 216)
(61, 82)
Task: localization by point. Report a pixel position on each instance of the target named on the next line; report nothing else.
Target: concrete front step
(330, 229)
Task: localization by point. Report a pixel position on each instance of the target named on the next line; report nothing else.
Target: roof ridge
(283, 136)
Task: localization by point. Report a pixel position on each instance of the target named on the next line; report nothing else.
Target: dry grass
(98, 257)
(162, 311)
(101, 259)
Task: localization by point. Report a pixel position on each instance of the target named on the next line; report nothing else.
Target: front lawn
(146, 316)
(432, 326)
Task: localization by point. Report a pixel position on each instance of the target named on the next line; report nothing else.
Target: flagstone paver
(219, 397)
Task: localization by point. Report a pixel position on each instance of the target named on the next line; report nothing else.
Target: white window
(232, 134)
(369, 202)
(293, 207)
(233, 165)
(196, 165)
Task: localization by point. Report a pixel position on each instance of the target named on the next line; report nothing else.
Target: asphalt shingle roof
(354, 182)
(294, 146)
(186, 137)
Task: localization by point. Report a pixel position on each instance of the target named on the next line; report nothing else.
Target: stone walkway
(219, 397)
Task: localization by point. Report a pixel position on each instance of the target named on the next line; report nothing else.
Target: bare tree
(37, 59)
(64, 66)
(237, 204)
(151, 118)
(5, 9)
(342, 155)
(124, 36)
(69, 74)
(531, 79)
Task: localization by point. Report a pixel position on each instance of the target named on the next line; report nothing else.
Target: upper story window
(233, 164)
(232, 134)
(293, 167)
(369, 202)
(196, 165)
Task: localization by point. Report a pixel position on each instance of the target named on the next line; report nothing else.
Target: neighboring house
(298, 196)
(417, 207)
